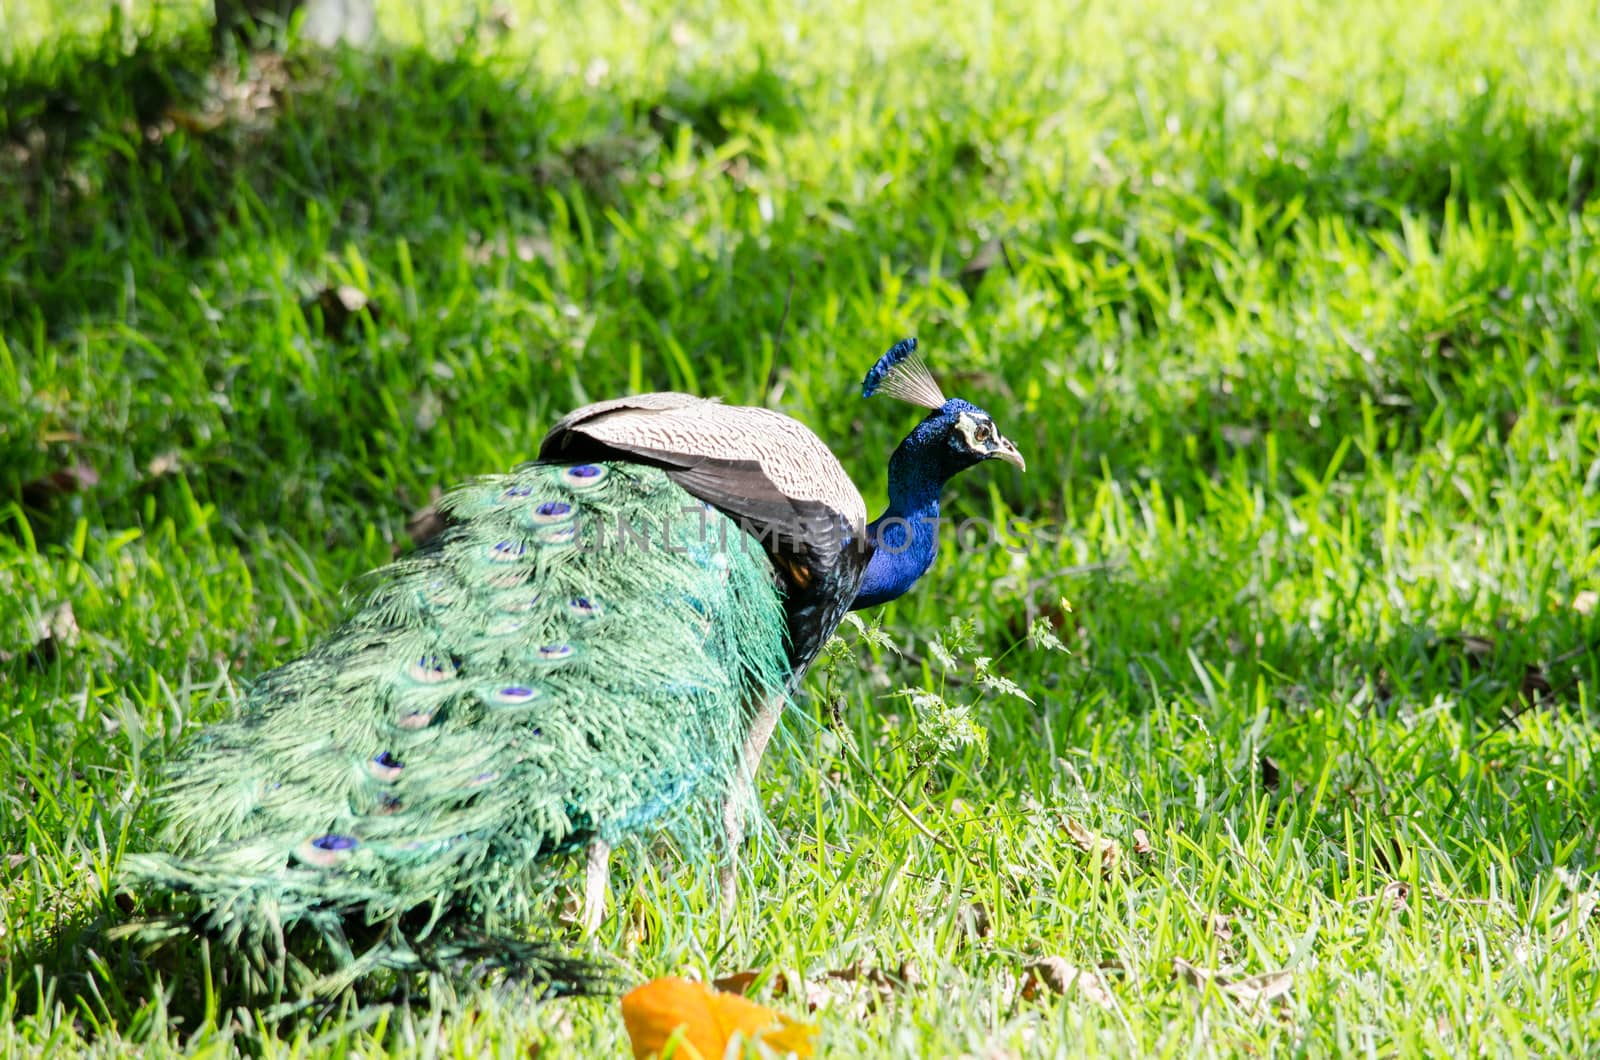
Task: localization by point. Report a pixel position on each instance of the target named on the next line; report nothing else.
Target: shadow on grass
(108, 979)
(150, 153)
(119, 159)
(101, 982)
(160, 147)
(126, 166)
(123, 989)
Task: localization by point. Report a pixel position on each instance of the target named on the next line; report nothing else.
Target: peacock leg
(596, 874)
(740, 792)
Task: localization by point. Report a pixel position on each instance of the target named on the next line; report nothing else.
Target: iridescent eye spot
(514, 695)
(385, 767)
(521, 607)
(558, 535)
(549, 512)
(513, 493)
(388, 804)
(431, 670)
(555, 651)
(583, 607)
(417, 719)
(334, 842)
(507, 551)
(503, 627)
(326, 851)
(582, 476)
(484, 778)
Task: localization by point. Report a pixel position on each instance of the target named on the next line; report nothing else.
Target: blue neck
(906, 535)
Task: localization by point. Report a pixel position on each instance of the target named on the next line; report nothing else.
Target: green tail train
(572, 660)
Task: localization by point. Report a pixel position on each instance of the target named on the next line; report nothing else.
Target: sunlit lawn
(1291, 307)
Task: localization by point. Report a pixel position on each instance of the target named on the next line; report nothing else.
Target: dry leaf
(164, 464)
(974, 920)
(1239, 435)
(196, 122)
(1108, 850)
(1250, 989)
(57, 629)
(74, 478)
(1270, 778)
(1254, 989)
(1220, 927)
(1534, 683)
(1094, 988)
(1051, 973)
(429, 408)
(424, 525)
(571, 913)
(856, 990)
(993, 252)
(60, 624)
(339, 306)
(1057, 976)
(1191, 974)
(737, 983)
(849, 973)
(875, 977)
(1141, 842)
(1396, 892)
(701, 1022)
(640, 926)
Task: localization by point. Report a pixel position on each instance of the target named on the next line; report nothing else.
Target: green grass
(1296, 322)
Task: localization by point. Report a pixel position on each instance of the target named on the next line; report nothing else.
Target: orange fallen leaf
(699, 1022)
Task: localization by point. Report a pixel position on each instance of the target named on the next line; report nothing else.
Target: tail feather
(575, 658)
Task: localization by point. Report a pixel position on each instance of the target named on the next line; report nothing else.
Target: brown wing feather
(766, 470)
(749, 457)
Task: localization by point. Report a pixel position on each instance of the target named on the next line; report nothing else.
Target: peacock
(599, 644)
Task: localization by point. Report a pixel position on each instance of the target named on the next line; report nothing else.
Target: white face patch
(971, 429)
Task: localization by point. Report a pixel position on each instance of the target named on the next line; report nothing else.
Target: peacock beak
(1004, 450)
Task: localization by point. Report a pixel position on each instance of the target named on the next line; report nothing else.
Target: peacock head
(954, 436)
